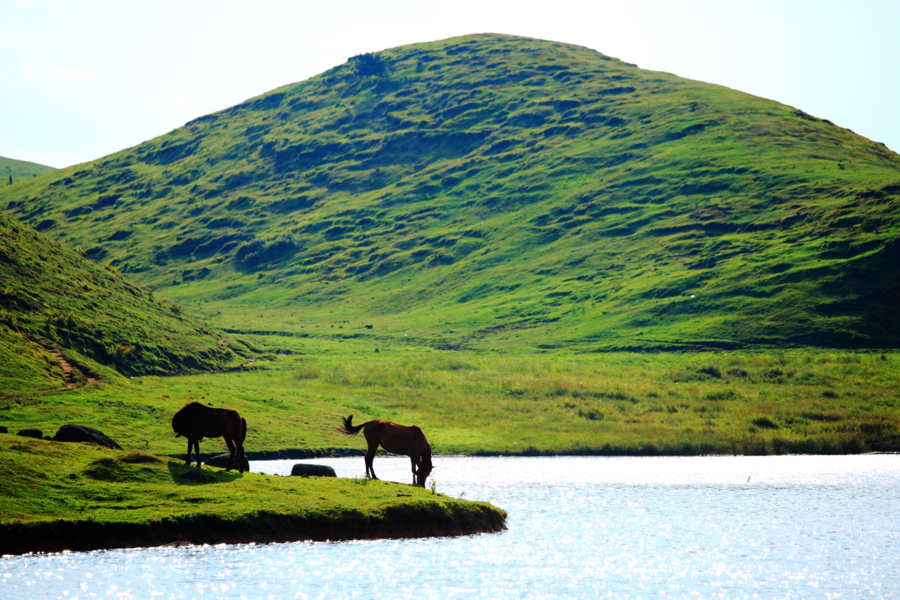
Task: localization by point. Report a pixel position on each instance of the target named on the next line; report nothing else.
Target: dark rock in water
(32, 433)
(83, 433)
(3, 429)
(304, 470)
(223, 460)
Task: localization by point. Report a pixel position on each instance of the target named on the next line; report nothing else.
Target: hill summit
(491, 191)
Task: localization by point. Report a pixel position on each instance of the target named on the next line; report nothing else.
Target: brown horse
(396, 439)
(196, 421)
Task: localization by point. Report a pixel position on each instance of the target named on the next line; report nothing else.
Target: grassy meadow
(799, 401)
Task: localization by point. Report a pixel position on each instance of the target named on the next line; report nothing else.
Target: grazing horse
(196, 421)
(396, 439)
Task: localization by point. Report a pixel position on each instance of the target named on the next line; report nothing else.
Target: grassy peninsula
(63, 496)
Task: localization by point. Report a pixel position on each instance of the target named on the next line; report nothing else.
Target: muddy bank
(403, 521)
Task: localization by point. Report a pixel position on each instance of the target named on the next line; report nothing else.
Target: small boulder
(3, 429)
(305, 470)
(193, 475)
(32, 433)
(223, 460)
(83, 433)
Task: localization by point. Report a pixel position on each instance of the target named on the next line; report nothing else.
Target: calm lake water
(698, 527)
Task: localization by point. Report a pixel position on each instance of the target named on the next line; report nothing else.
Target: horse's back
(198, 420)
(397, 439)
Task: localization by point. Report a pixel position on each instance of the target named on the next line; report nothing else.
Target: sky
(81, 80)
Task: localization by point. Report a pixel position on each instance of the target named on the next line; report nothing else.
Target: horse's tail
(243, 430)
(348, 428)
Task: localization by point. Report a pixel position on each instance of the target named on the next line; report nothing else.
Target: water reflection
(578, 527)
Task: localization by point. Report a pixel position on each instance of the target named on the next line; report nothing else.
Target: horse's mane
(177, 419)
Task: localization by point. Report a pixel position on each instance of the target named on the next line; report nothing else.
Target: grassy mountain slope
(52, 295)
(19, 169)
(491, 191)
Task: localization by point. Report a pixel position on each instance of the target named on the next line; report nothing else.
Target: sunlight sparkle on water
(802, 526)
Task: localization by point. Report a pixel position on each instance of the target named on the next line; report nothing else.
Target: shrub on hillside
(257, 253)
(369, 65)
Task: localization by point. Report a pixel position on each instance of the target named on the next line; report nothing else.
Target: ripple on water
(801, 526)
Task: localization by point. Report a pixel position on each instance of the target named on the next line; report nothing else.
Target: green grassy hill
(19, 170)
(490, 191)
(52, 296)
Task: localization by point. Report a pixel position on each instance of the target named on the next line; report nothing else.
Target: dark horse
(396, 439)
(196, 421)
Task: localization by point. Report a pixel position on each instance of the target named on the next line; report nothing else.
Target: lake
(579, 527)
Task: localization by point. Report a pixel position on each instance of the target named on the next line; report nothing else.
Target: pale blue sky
(84, 79)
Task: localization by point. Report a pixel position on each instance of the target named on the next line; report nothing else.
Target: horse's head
(425, 468)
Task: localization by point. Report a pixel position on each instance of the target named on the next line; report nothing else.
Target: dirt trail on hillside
(67, 368)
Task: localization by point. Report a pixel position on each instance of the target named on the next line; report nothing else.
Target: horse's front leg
(197, 448)
(412, 459)
(190, 443)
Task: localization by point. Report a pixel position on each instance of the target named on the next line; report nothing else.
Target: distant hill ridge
(493, 191)
(16, 170)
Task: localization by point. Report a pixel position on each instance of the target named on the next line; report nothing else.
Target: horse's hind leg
(370, 458)
(240, 456)
(190, 443)
(231, 450)
(237, 453)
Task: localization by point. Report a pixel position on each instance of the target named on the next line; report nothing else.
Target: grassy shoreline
(64, 496)
(804, 401)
